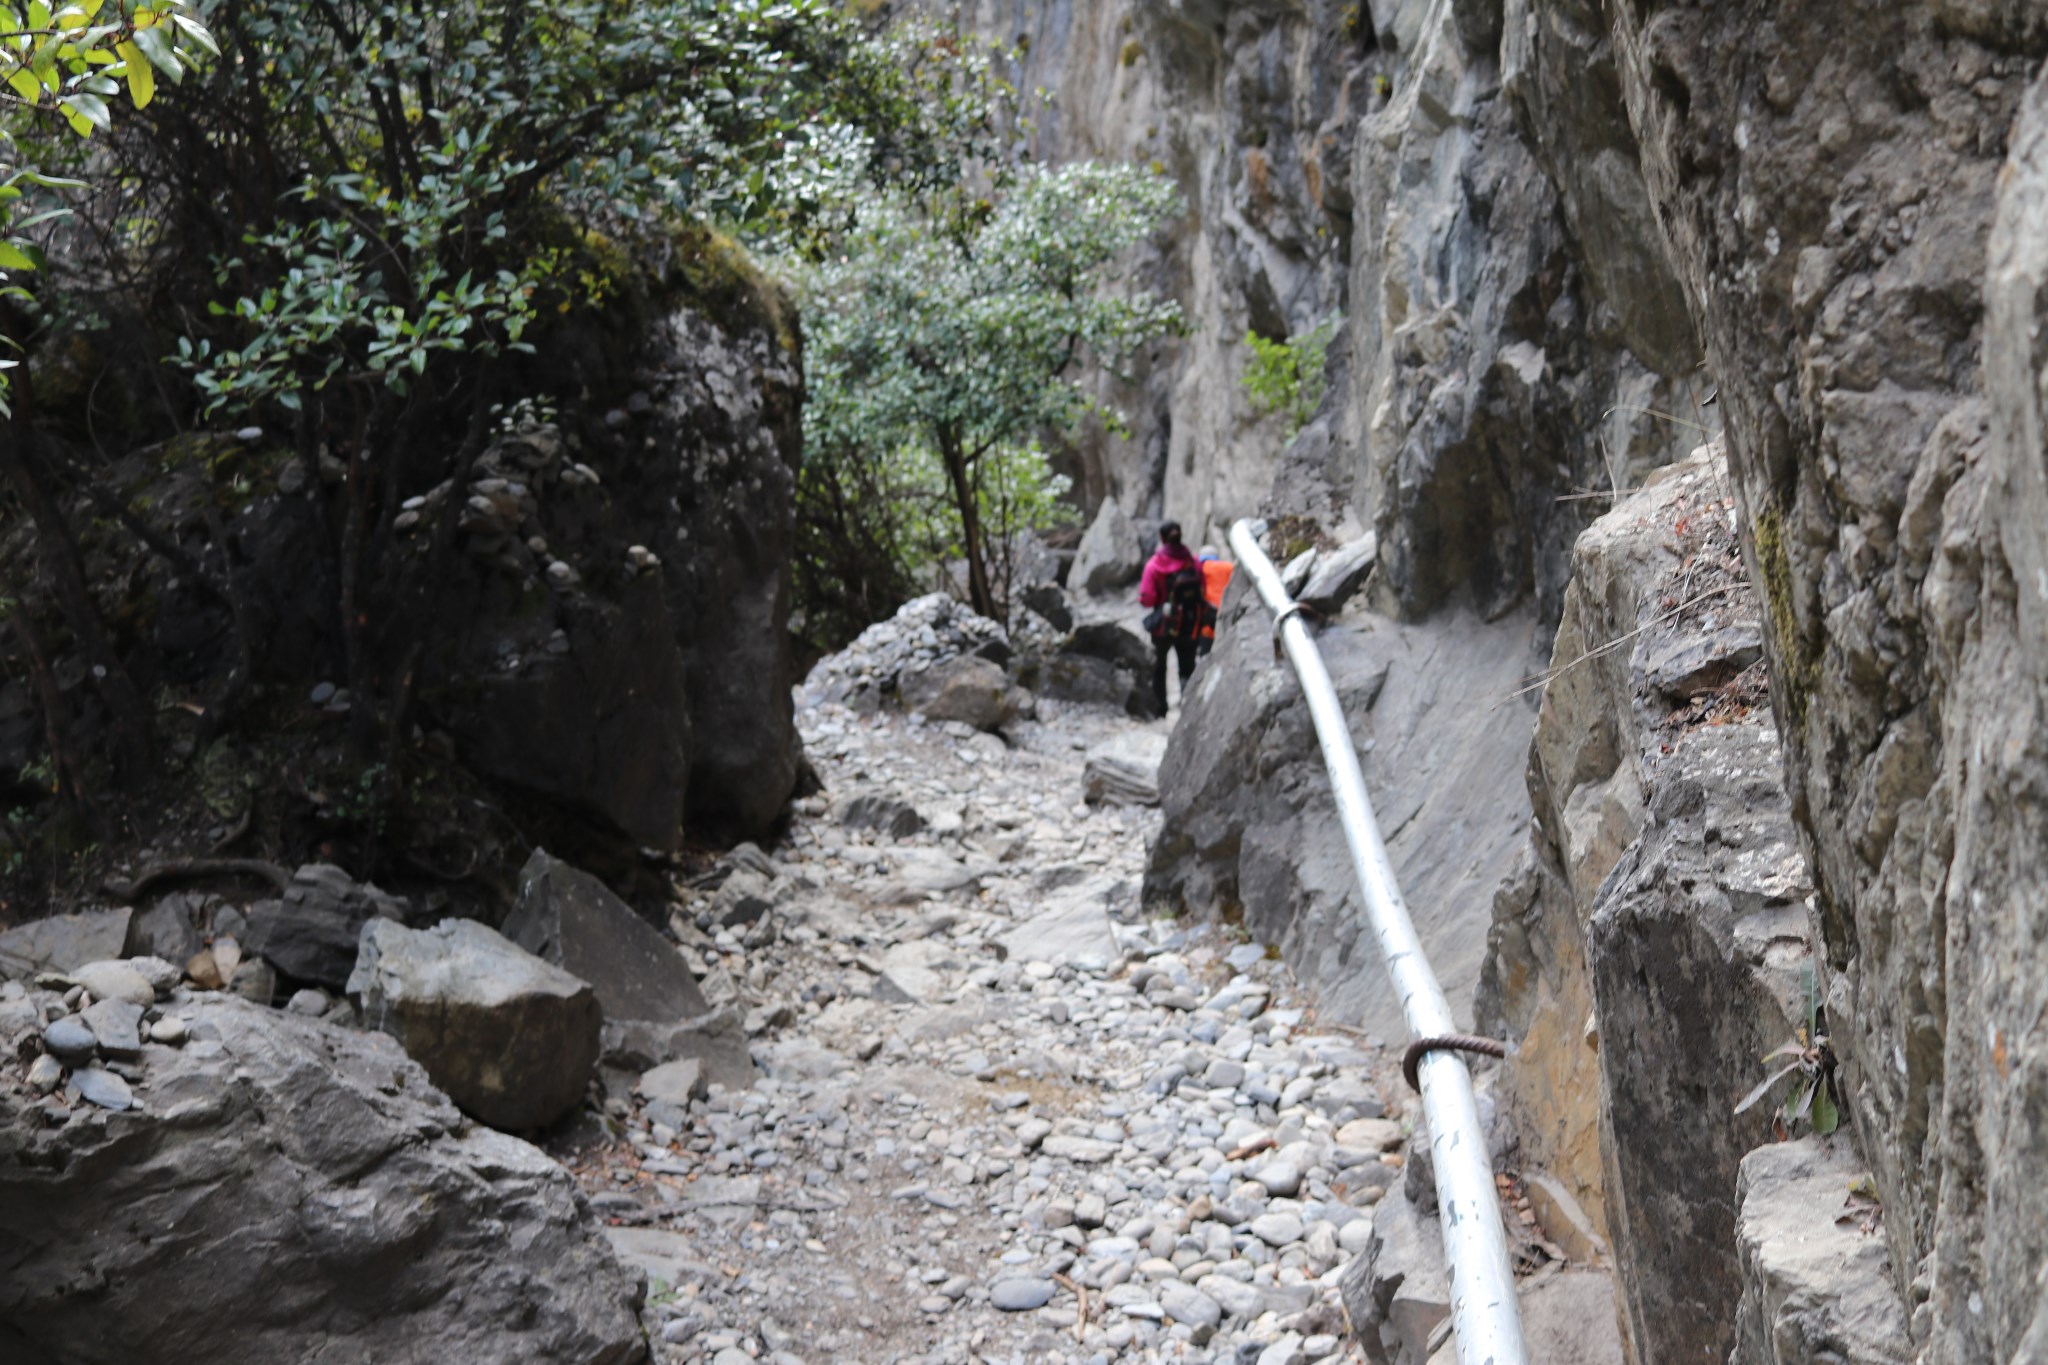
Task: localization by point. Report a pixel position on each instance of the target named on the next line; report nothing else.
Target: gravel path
(1001, 1118)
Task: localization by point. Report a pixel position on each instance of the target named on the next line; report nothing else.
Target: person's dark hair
(1169, 533)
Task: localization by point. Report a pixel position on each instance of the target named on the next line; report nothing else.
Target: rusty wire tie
(1411, 1060)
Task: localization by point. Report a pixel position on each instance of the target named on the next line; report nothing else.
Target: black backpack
(1186, 607)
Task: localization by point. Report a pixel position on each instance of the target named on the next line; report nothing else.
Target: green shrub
(1286, 377)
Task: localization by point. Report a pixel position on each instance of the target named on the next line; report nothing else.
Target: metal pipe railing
(1484, 1313)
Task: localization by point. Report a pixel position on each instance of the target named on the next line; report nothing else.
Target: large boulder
(1088, 682)
(61, 942)
(614, 636)
(1660, 910)
(284, 1190)
(1250, 825)
(1112, 553)
(1113, 642)
(311, 933)
(967, 689)
(1124, 771)
(511, 1038)
(1817, 1288)
(1856, 212)
(570, 918)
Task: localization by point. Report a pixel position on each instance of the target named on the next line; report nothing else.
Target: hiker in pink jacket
(1171, 574)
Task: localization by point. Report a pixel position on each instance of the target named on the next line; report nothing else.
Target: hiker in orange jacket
(1216, 571)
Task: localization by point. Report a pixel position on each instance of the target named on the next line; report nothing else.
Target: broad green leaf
(91, 107)
(157, 45)
(198, 34)
(1826, 1118)
(141, 80)
(13, 257)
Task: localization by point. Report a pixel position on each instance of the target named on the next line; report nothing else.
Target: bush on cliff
(942, 344)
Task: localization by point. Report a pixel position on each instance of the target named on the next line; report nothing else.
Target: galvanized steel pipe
(1485, 1316)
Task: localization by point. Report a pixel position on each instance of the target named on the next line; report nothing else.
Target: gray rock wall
(1828, 182)
(1650, 948)
(1817, 228)
(1506, 338)
(1250, 827)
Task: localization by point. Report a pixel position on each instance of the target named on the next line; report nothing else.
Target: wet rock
(511, 1038)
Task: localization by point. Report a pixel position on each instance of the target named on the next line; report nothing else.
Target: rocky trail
(1002, 1118)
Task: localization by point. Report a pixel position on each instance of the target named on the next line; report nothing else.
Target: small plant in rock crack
(1807, 1056)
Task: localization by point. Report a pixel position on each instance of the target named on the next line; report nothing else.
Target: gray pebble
(70, 1041)
(1223, 1074)
(103, 1088)
(1279, 1177)
(1020, 1295)
(44, 1074)
(1185, 1303)
(1277, 1229)
(309, 1002)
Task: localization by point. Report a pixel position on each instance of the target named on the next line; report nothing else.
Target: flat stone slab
(62, 943)
(570, 918)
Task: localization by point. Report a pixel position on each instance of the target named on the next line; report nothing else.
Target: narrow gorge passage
(976, 1137)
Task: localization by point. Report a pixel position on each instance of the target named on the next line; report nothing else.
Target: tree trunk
(64, 568)
(979, 595)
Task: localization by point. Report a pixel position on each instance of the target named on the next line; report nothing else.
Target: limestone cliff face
(1829, 190)
(1818, 229)
(1509, 339)
(1248, 108)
